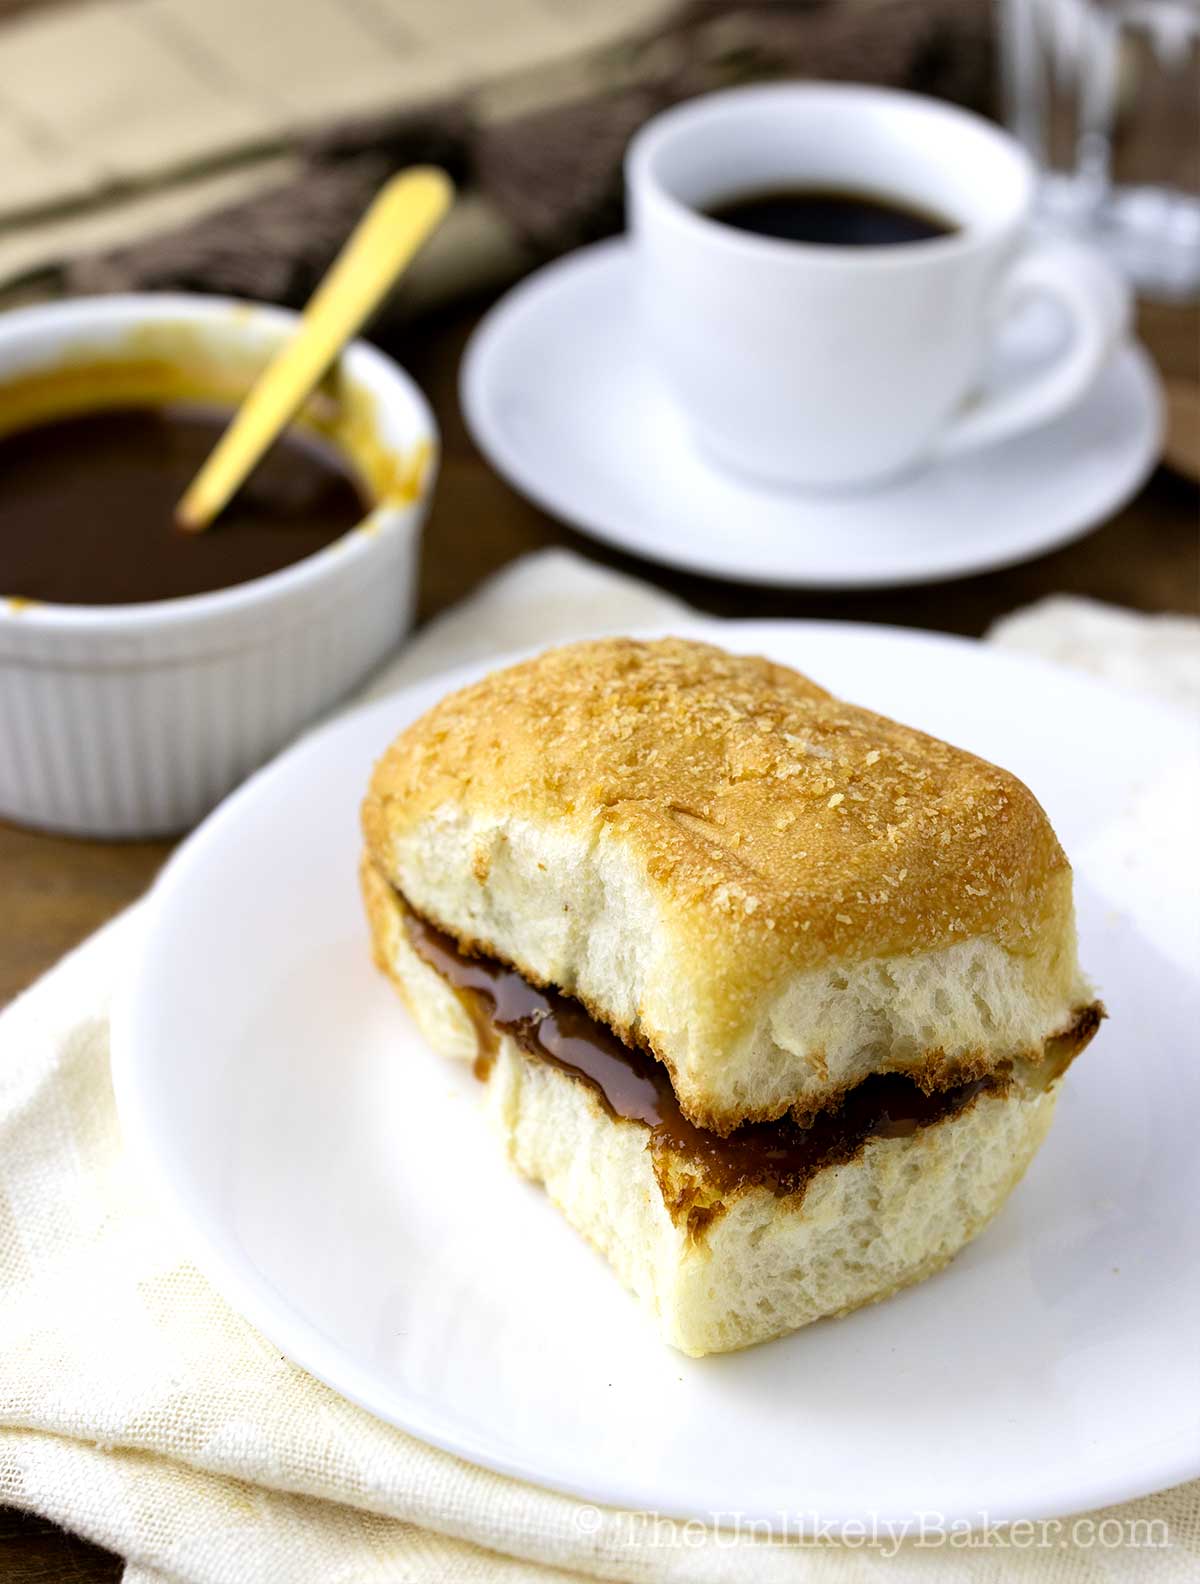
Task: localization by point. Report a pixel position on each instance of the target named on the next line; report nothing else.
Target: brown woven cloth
(553, 175)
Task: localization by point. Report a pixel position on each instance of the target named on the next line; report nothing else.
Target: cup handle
(1097, 304)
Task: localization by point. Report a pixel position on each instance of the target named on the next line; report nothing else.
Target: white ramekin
(134, 720)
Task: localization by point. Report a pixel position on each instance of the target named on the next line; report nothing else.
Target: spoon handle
(403, 214)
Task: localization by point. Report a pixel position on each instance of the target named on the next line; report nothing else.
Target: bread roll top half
(774, 892)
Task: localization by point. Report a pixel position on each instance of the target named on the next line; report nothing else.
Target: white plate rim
(475, 387)
(1178, 1456)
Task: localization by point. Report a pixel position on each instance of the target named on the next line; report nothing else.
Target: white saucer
(338, 1182)
(562, 400)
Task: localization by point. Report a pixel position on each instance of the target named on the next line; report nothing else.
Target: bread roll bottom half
(727, 1241)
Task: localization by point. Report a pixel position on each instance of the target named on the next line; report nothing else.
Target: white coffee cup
(830, 366)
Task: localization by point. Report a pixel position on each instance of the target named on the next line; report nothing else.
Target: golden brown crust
(383, 917)
(758, 802)
(779, 827)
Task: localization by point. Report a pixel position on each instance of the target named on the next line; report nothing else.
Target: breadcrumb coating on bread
(774, 818)
(773, 891)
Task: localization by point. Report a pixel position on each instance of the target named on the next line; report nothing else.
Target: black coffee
(835, 218)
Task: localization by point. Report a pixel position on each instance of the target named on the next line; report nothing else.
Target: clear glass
(1105, 96)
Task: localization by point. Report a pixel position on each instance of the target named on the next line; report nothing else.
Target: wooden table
(57, 890)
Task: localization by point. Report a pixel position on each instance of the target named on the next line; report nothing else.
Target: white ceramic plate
(338, 1183)
(562, 398)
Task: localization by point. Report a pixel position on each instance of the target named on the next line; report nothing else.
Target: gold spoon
(405, 211)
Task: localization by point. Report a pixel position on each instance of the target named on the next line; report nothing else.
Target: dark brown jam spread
(631, 1084)
(87, 507)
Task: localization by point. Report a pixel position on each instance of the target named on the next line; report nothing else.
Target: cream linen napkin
(139, 1410)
